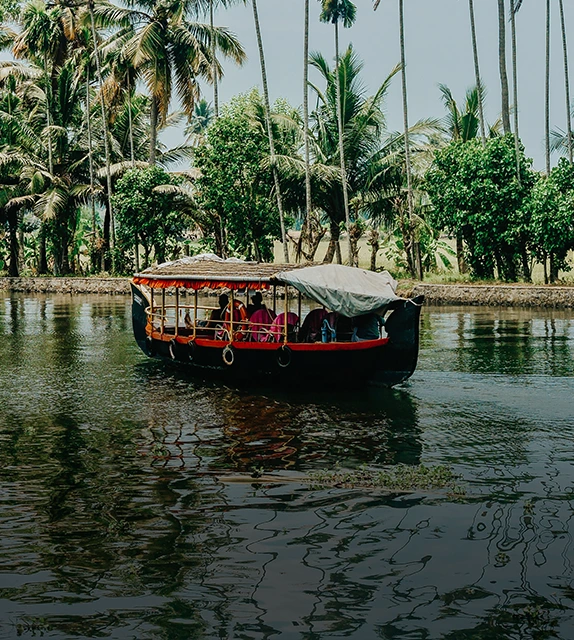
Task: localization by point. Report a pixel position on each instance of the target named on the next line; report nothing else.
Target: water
(117, 521)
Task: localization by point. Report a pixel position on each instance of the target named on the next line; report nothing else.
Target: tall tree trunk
(502, 67)
(213, 64)
(270, 131)
(42, 256)
(566, 81)
(91, 163)
(308, 204)
(547, 91)
(48, 115)
(515, 88)
(130, 123)
(477, 72)
(417, 266)
(153, 117)
(13, 270)
(342, 145)
(104, 127)
(333, 242)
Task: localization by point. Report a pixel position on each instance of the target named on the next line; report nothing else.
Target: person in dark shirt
(367, 327)
(256, 304)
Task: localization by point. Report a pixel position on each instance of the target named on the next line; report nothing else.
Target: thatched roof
(208, 270)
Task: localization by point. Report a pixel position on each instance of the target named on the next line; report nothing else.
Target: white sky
(438, 50)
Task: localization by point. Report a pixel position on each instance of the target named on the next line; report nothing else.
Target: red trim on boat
(272, 346)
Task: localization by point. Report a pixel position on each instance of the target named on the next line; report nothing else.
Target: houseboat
(321, 325)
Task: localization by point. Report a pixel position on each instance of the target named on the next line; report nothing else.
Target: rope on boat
(228, 355)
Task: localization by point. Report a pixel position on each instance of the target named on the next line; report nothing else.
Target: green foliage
(235, 185)
(9, 10)
(551, 212)
(141, 209)
(475, 192)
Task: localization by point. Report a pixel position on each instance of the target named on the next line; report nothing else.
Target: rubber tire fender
(172, 349)
(149, 345)
(284, 356)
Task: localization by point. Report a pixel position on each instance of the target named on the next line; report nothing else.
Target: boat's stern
(402, 351)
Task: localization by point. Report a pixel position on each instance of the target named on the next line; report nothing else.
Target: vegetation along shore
(87, 185)
(505, 295)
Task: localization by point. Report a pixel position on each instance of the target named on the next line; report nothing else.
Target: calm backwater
(115, 524)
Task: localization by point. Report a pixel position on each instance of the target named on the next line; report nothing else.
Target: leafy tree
(551, 211)
(145, 215)
(170, 51)
(475, 192)
(235, 182)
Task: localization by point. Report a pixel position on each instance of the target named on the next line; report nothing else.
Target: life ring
(172, 349)
(240, 320)
(149, 345)
(228, 355)
(191, 350)
(284, 356)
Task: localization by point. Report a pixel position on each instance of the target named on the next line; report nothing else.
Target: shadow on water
(114, 522)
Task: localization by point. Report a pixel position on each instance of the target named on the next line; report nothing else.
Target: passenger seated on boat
(260, 324)
(367, 327)
(216, 317)
(256, 304)
(188, 321)
(278, 327)
(311, 328)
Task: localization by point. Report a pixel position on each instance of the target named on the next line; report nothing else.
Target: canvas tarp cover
(346, 290)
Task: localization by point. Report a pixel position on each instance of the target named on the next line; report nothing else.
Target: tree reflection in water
(114, 522)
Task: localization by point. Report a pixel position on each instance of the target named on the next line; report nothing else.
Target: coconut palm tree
(308, 203)
(364, 124)
(566, 81)
(476, 69)
(335, 11)
(416, 258)
(462, 125)
(270, 130)
(505, 109)
(169, 49)
(514, 7)
(547, 92)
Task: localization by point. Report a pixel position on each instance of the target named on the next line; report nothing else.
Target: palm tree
(270, 130)
(105, 128)
(514, 7)
(502, 67)
(547, 91)
(476, 69)
(462, 125)
(168, 49)
(416, 261)
(364, 124)
(215, 68)
(566, 81)
(308, 203)
(334, 11)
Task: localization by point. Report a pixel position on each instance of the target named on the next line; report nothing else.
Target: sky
(438, 50)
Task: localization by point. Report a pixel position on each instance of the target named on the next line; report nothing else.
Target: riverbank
(506, 295)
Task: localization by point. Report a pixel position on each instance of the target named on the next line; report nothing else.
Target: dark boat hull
(384, 362)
